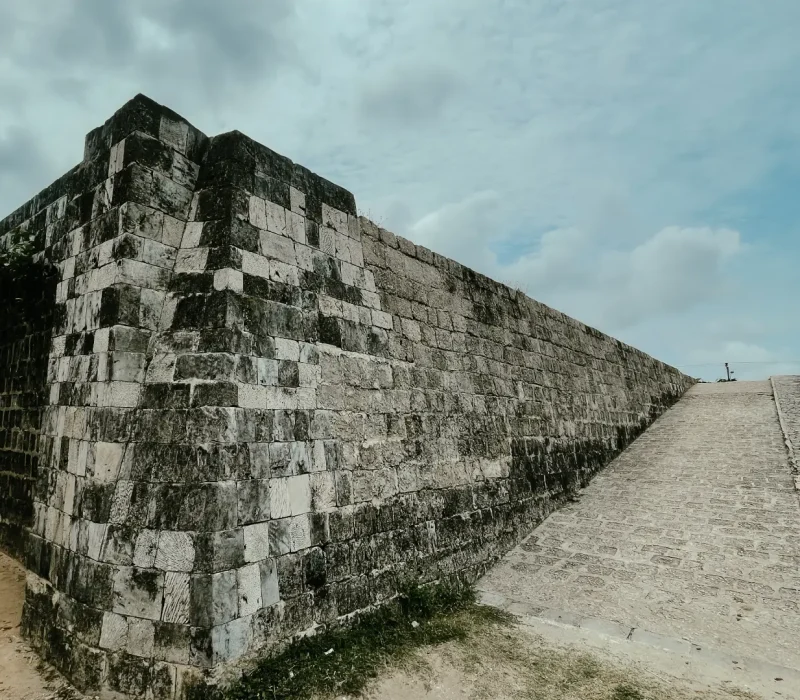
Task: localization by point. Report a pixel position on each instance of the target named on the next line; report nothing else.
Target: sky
(633, 164)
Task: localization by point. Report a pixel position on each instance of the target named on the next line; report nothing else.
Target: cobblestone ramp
(691, 533)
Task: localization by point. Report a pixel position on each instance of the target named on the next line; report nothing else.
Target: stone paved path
(692, 533)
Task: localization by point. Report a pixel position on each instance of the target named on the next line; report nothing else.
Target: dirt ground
(524, 662)
(22, 675)
(548, 663)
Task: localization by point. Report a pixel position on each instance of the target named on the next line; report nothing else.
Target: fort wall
(261, 413)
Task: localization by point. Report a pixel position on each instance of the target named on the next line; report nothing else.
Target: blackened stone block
(230, 232)
(165, 396)
(330, 330)
(272, 189)
(222, 203)
(253, 501)
(120, 305)
(215, 394)
(148, 151)
(192, 283)
(128, 674)
(288, 373)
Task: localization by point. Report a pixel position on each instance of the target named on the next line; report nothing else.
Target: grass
(510, 663)
(624, 691)
(440, 634)
(345, 660)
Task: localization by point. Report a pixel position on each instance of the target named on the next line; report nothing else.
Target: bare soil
(22, 675)
(496, 663)
(516, 664)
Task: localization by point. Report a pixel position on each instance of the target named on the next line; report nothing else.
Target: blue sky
(633, 164)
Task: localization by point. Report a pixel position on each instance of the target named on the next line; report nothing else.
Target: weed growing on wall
(17, 253)
(22, 271)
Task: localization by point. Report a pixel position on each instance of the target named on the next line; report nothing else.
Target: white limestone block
(299, 491)
(297, 201)
(255, 264)
(270, 594)
(175, 551)
(144, 551)
(141, 635)
(279, 501)
(296, 227)
(278, 247)
(336, 219)
(287, 349)
(113, 632)
(248, 580)
(256, 542)
(176, 598)
(276, 218)
(192, 234)
(229, 279)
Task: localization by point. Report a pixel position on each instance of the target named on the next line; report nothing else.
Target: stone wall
(26, 321)
(264, 411)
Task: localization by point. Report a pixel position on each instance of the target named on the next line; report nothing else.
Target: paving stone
(712, 472)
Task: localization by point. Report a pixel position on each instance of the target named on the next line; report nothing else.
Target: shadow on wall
(27, 308)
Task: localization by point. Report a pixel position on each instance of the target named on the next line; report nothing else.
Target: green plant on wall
(23, 273)
(16, 255)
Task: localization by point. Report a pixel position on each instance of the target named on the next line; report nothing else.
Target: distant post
(728, 371)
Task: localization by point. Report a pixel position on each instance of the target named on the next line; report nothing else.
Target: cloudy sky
(634, 164)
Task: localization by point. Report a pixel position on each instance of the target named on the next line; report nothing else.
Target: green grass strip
(345, 659)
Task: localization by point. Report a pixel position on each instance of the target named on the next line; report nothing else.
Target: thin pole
(728, 371)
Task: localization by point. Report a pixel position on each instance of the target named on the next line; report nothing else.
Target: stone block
(270, 594)
(256, 541)
(290, 534)
(254, 501)
(176, 598)
(231, 640)
(248, 581)
(138, 592)
(175, 551)
(141, 634)
(114, 632)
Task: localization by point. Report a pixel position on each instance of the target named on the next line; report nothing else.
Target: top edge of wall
(462, 271)
(144, 115)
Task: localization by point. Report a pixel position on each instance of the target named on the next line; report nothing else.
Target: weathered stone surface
(253, 411)
(26, 321)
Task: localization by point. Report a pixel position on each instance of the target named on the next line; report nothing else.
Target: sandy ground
(530, 661)
(544, 662)
(22, 675)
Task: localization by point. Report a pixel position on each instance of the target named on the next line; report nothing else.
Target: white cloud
(592, 150)
(673, 271)
(408, 94)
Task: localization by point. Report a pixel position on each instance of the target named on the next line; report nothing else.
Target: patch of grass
(506, 663)
(625, 691)
(345, 660)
